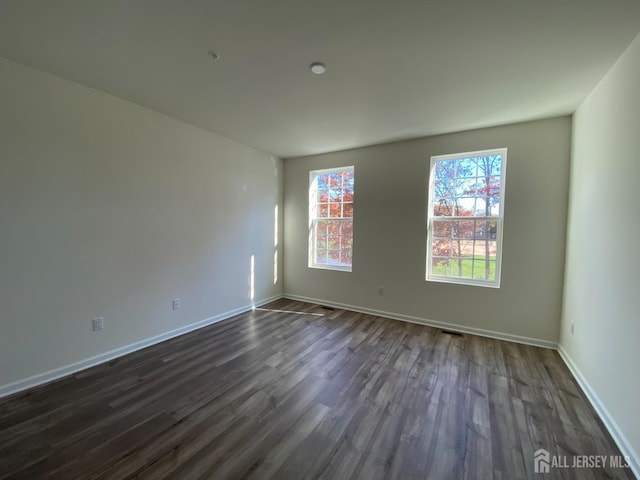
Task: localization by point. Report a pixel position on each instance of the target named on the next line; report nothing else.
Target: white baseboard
(616, 433)
(536, 342)
(60, 372)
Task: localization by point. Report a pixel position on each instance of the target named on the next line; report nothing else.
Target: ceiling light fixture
(318, 68)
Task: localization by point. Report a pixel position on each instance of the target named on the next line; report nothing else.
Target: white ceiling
(395, 69)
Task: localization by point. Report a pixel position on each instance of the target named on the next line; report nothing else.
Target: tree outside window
(466, 200)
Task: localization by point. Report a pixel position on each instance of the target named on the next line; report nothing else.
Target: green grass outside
(470, 268)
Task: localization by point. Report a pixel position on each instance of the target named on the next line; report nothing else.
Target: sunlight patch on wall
(252, 280)
(275, 245)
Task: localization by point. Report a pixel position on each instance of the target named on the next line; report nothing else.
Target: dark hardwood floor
(296, 391)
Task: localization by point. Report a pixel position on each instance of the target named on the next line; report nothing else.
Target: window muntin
(331, 194)
(464, 230)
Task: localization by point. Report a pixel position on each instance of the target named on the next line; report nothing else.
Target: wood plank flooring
(297, 391)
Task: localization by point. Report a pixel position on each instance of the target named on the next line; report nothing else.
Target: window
(466, 205)
(331, 218)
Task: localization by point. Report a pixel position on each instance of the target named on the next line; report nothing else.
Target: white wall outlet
(97, 323)
(380, 290)
(176, 304)
(573, 327)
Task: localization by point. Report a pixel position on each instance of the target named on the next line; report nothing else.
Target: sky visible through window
(331, 196)
(465, 216)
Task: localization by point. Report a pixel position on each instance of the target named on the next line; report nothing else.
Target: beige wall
(109, 209)
(602, 287)
(390, 235)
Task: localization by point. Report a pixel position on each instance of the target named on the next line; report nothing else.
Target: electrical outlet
(97, 323)
(380, 290)
(176, 303)
(573, 327)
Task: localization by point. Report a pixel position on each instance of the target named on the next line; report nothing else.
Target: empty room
(319, 240)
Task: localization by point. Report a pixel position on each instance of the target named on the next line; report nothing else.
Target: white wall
(390, 232)
(109, 209)
(602, 285)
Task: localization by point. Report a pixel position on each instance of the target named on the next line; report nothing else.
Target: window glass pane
(333, 257)
(463, 228)
(345, 257)
(491, 249)
(484, 269)
(321, 242)
(347, 210)
(323, 195)
(485, 248)
(443, 207)
(348, 183)
(494, 199)
(321, 256)
(494, 207)
(489, 166)
(464, 187)
(335, 210)
(494, 165)
(466, 248)
(492, 230)
(441, 248)
(444, 187)
(333, 242)
(477, 187)
(321, 227)
(442, 228)
(465, 167)
(323, 181)
(463, 207)
(440, 266)
(335, 181)
(481, 229)
(481, 207)
(323, 210)
(479, 248)
(445, 169)
(458, 267)
(485, 205)
(493, 186)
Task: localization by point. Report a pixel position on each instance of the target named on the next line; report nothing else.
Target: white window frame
(313, 220)
(499, 219)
